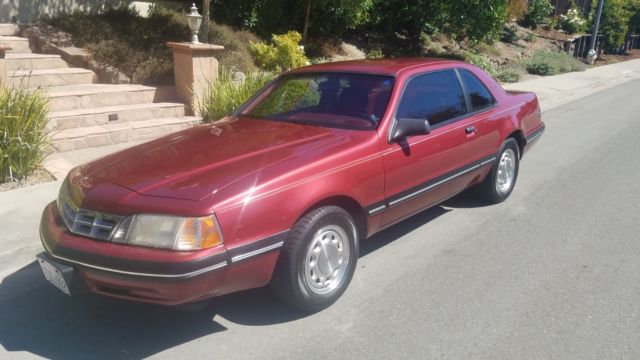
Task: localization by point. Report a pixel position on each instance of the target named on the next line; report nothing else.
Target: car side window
(436, 97)
(480, 97)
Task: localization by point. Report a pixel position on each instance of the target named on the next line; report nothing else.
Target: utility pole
(591, 56)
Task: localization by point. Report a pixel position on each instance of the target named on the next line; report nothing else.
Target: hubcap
(327, 259)
(506, 171)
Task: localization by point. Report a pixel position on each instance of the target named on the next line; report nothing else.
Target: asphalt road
(552, 273)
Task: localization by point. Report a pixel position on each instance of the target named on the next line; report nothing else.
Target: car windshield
(351, 101)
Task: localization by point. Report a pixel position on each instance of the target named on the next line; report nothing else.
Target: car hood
(202, 161)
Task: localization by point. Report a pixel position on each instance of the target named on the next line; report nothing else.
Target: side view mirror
(407, 127)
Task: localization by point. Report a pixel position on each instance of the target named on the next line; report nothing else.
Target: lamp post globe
(194, 20)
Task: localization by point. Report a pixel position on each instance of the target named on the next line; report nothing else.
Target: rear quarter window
(479, 95)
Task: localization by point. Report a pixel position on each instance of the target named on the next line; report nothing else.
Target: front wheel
(499, 184)
(318, 259)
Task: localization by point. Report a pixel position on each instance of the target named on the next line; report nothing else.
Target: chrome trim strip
(170, 276)
(423, 190)
(535, 135)
(193, 273)
(257, 252)
(378, 209)
(488, 161)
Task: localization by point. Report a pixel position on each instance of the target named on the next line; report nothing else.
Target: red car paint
(259, 177)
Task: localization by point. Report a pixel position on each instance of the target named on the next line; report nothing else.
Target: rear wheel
(499, 184)
(318, 259)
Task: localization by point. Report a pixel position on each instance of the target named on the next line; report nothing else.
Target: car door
(426, 169)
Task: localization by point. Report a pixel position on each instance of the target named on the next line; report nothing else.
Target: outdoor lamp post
(194, 20)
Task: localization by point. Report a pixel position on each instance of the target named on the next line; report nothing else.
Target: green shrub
(510, 34)
(225, 95)
(484, 48)
(529, 37)
(236, 53)
(136, 45)
(551, 63)
(283, 53)
(481, 61)
(375, 54)
(133, 44)
(539, 11)
(510, 73)
(23, 135)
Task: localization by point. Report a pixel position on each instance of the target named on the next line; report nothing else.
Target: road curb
(557, 90)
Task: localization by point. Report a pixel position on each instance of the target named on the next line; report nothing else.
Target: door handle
(470, 130)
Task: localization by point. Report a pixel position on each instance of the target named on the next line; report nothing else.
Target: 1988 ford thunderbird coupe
(282, 191)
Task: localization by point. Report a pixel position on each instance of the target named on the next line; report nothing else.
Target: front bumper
(156, 275)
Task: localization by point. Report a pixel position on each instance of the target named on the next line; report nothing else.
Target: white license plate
(54, 276)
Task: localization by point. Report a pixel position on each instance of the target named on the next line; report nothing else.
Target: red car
(283, 190)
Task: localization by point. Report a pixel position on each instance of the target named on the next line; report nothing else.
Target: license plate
(57, 274)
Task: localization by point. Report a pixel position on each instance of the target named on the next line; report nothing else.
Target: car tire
(318, 259)
(499, 183)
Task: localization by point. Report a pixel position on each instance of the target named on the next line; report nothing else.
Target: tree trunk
(306, 22)
(206, 14)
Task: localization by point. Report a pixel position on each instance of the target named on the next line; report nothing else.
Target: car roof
(376, 66)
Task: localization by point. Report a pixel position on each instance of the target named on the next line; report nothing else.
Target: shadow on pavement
(466, 200)
(37, 318)
(397, 231)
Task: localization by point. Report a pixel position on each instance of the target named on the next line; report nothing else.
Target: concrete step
(61, 120)
(8, 29)
(18, 44)
(31, 61)
(130, 131)
(50, 77)
(71, 97)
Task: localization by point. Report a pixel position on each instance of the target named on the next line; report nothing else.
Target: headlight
(169, 232)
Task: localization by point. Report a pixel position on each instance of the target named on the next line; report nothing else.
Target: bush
(133, 44)
(529, 37)
(510, 74)
(551, 63)
(283, 53)
(481, 61)
(539, 11)
(572, 22)
(236, 54)
(375, 54)
(510, 34)
(136, 46)
(225, 94)
(23, 135)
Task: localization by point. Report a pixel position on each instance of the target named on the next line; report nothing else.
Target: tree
(206, 16)
(616, 18)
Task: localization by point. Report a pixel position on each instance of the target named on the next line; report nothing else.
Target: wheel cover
(327, 259)
(506, 171)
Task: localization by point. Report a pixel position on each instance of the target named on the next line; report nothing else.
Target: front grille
(89, 223)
